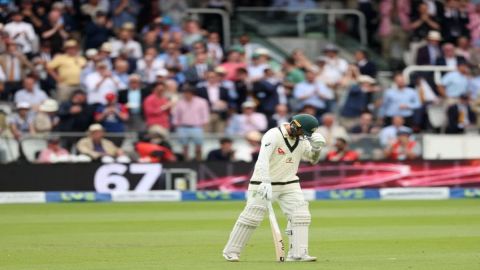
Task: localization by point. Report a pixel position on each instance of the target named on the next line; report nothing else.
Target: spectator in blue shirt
(455, 83)
(313, 92)
(400, 100)
(113, 115)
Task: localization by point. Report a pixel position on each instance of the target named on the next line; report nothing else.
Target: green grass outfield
(190, 235)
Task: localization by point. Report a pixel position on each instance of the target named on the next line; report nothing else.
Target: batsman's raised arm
(312, 153)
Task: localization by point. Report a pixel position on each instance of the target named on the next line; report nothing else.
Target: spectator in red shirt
(156, 107)
(403, 148)
(341, 152)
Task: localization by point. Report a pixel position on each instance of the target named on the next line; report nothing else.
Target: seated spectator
(198, 70)
(113, 115)
(46, 119)
(156, 107)
(100, 83)
(455, 83)
(364, 65)
(341, 152)
(428, 54)
(54, 152)
(66, 70)
(247, 121)
(21, 32)
(234, 61)
(403, 148)
(265, 91)
(389, 133)
(313, 92)
(336, 65)
(214, 48)
(463, 48)
(21, 122)
(243, 88)
(331, 130)
(121, 70)
(150, 65)
(173, 58)
(365, 126)
(75, 115)
(250, 153)
(133, 98)
(422, 23)
(191, 33)
(256, 68)
(154, 146)
(30, 93)
(449, 58)
(460, 116)
(218, 99)
(224, 153)
(125, 41)
(359, 96)
(400, 100)
(190, 115)
(280, 116)
(98, 148)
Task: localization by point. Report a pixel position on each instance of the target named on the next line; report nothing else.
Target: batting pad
(249, 219)
(299, 223)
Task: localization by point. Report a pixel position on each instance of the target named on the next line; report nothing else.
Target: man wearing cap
(275, 178)
(46, 119)
(21, 32)
(96, 146)
(133, 98)
(112, 116)
(100, 83)
(15, 65)
(126, 42)
(189, 117)
(66, 69)
(248, 120)
(21, 122)
(428, 54)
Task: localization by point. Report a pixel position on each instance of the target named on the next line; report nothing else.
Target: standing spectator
(336, 66)
(214, 48)
(75, 114)
(53, 31)
(191, 33)
(133, 98)
(54, 152)
(234, 61)
(98, 31)
(455, 83)
(331, 130)
(66, 70)
(46, 118)
(197, 71)
(266, 93)
(293, 74)
(394, 27)
(428, 54)
(312, 92)
(460, 116)
(97, 147)
(125, 42)
(30, 93)
(124, 11)
(400, 100)
(256, 68)
(280, 116)
(224, 153)
(173, 58)
(190, 115)
(404, 148)
(242, 87)
(474, 23)
(365, 66)
(365, 125)
(156, 107)
(449, 58)
(21, 122)
(422, 23)
(121, 70)
(91, 8)
(100, 83)
(463, 48)
(15, 66)
(454, 21)
(218, 99)
(150, 65)
(113, 115)
(388, 134)
(247, 121)
(22, 33)
(342, 152)
(359, 97)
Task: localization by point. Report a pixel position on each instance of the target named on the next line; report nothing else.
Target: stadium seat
(32, 146)
(10, 149)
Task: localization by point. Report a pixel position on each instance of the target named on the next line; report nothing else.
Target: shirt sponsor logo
(289, 160)
(280, 151)
(267, 144)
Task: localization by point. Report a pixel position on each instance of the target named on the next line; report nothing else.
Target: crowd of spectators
(99, 67)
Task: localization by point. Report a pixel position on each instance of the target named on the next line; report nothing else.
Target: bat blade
(277, 235)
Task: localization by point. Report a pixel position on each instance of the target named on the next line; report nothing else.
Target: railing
(331, 13)
(225, 21)
(437, 71)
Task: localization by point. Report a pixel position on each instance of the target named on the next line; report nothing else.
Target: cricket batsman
(275, 178)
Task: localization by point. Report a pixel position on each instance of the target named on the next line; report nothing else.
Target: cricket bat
(277, 236)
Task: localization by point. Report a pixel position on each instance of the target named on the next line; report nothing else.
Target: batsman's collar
(284, 130)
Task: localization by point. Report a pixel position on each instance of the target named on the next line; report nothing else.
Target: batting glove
(317, 141)
(265, 191)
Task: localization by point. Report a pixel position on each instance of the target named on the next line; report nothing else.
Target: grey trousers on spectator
(64, 91)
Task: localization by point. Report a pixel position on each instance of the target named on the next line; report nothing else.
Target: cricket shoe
(304, 258)
(231, 257)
